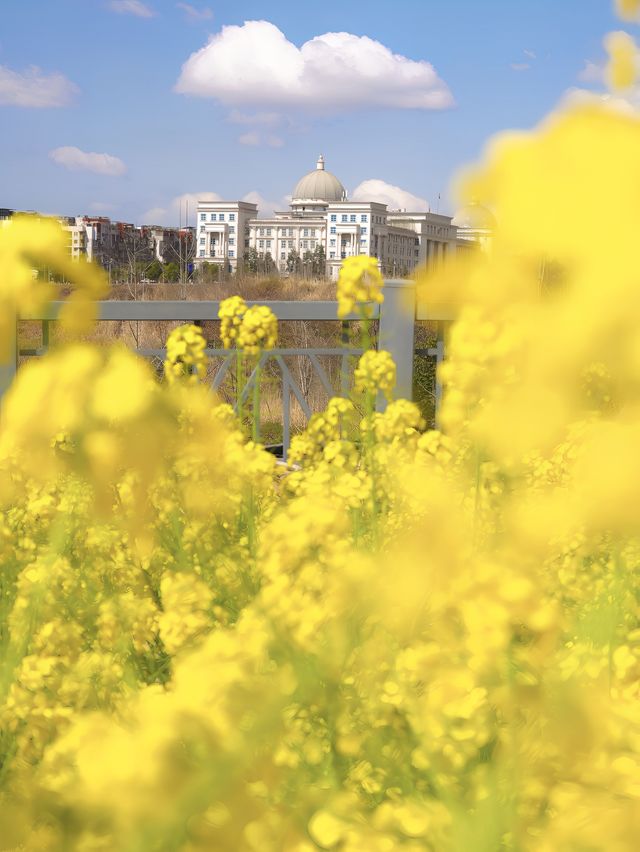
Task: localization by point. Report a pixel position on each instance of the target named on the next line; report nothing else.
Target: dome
(474, 217)
(319, 185)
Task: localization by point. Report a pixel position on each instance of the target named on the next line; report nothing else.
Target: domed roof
(475, 217)
(319, 185)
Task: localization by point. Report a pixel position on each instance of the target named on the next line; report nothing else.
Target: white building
(321, 216)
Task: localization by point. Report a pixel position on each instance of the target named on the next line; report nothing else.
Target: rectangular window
(232, 253)
(352, 218)
(332, 242)
(363, 217)
(203, 217)
(333, 230)
(334, 218)
(332, 254)
(232, 229)
(213, 217)
(290, 243)
(232, 242)
(363, 230)
(261, 244)
(202, 253)
(221, 217)
(202, 228)
(268, 244)
(268, 232)
(304, 244)
(363, 240)
(283, 256)
(202, 241)
(305, 232)
(343, 217)
(232, 217)
(262, 232)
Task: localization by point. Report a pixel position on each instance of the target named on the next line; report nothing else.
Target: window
(232, 229)
(203, 217)
(363, 240)
(332, 242)
(333, 230)
(283, 243)
(363, 217)
(202, 229)
(246, 243)
(352, 218)
(304, 244)
(363, 230)
(334, 218)
(261, 244)
(290, 243)
(283, 256)
(232, 217)
(343, 218)
(201, 253)
(232, 253)
(332, 254)
(305, 232)
(268, 244)
(262, 232)
(232, 242)
(202, 241)
(213, 217)
(268, 232)
(221, 217)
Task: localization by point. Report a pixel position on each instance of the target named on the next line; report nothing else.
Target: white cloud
(175, 213)
(593, 72)
(386, 193)
(255, 138)
(32, 88)
(101, 207)
(131, 7)
(266, 208)
(520, 66)
(256, 64)
(530, 54)
(269, 118)
(82, 161)
(193, 15)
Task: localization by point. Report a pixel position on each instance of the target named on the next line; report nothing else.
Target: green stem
(256, 404)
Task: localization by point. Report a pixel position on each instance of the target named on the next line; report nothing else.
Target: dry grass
(268, 289)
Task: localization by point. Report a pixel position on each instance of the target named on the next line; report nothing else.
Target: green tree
(293, 261)
(250, 260)
(171, 272)
(154, 271)
(319, 261)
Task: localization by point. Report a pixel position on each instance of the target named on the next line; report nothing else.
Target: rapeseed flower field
(403, 639)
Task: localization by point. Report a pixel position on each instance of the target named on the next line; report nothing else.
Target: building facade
(321, 223)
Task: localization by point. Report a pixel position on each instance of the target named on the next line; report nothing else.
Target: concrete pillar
(397, 324)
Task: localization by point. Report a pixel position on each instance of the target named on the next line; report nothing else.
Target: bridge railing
(396, 320)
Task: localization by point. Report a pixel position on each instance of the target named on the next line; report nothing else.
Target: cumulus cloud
(255, 138)
(176, 210)
(83, 161)
(194, 15)
(592, 72)
(386, 193)
(255, 64)
(131, 7)
(33, 88)
(266, 208)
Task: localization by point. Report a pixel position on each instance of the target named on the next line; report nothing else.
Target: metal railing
(396, 319)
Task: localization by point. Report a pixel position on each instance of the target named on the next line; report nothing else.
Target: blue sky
(109, 68)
